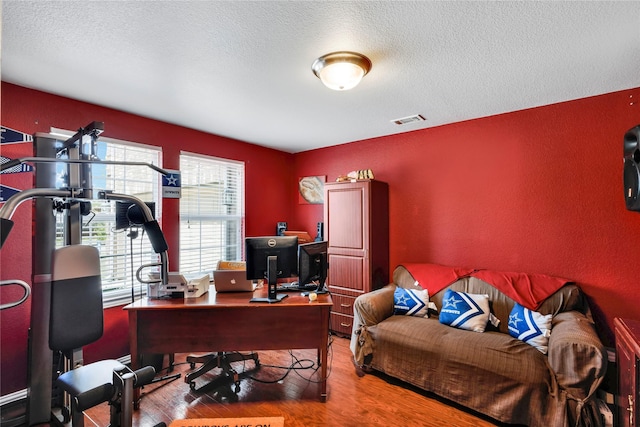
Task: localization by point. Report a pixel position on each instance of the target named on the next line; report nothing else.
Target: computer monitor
(271, 258)
(313, 265)
(130, 215)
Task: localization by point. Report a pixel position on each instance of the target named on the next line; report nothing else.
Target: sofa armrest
(373, 307)
(369, 309)
(576, 354)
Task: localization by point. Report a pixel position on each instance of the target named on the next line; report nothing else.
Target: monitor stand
(321, 289)
(278, 298)
(272, 295)
(272, 280)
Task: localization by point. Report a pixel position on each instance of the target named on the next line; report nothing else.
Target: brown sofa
(489, 372)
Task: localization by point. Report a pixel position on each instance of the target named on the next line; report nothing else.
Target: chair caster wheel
(236, 390)
(192, 385)
(192, 365)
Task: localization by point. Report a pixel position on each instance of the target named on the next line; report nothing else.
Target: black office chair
(76, 319)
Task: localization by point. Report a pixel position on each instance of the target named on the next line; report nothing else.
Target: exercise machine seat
(92, 384)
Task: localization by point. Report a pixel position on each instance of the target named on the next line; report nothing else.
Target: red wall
(537, 191)
(31, 111)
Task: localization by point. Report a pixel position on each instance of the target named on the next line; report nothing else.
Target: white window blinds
(211, 212)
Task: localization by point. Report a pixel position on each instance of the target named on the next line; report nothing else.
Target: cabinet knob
(345, 305)
(345, 325)
(630, 409)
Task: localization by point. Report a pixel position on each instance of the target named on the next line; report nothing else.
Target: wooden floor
(371, 400)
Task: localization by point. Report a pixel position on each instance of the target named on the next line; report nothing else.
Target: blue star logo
(172, 180)
(402, 300)
(451, 302)
(514, 319)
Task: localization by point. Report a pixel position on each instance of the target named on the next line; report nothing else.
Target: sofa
(495, 372)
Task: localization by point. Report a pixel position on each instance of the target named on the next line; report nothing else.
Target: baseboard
(13, 397)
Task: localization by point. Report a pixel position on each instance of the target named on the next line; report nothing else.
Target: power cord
(298, 365)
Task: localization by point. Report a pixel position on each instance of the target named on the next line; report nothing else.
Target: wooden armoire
(356, 222)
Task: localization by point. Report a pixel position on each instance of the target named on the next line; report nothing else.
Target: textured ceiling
(243, 69)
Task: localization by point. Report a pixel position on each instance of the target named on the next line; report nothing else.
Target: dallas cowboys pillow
(410, 302)
(531, 327)
(465, 311)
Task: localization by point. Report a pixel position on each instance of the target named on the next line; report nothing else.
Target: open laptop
(232, 281)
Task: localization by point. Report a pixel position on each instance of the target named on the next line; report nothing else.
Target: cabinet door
(347, 218)
(347, 225)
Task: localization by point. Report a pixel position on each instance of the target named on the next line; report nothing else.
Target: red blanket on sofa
(529, 290)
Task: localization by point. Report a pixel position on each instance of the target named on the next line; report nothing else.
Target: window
(211, 212)
(122, 252)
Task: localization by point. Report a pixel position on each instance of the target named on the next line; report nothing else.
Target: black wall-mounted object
(320, 232)
(130, 215)
(281, 227)
(631, 151)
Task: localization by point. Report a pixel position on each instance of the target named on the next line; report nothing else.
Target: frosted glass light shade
(341, 70)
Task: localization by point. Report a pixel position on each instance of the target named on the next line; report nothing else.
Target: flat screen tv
(313, 265)
(271, 258)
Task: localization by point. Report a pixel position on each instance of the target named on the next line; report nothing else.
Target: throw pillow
(531, 327)
(410, 302)
(465, 311)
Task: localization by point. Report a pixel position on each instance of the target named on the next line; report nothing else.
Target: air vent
(409, 119)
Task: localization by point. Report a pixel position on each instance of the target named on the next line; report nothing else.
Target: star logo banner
(171, 185)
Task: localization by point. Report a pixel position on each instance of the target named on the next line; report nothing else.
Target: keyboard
(295, 286)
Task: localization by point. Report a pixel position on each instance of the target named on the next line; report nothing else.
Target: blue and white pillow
(465, 311)
(410, 302)
(531, 327)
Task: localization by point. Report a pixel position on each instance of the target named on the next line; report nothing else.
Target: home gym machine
(78, 153)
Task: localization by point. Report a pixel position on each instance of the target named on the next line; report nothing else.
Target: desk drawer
(342, 304)
(341, 324)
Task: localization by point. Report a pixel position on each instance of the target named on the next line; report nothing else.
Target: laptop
(232, 281)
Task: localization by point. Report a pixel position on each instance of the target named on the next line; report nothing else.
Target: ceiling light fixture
(341, 70)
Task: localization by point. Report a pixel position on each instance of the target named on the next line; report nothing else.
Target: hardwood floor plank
(371, 400)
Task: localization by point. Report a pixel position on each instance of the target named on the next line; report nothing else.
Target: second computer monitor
(312, 264)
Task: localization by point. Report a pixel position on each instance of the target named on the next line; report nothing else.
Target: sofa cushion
(531, 327)
(410, 302)
(465, 311)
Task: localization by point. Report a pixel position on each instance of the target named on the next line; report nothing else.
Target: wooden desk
(229, 322)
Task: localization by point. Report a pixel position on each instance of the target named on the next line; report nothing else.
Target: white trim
(122, 297)
(13, 397)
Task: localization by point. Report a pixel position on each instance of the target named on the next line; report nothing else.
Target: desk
(229, 322)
